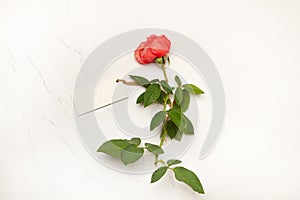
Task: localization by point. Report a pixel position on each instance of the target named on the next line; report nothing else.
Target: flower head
(154, 47)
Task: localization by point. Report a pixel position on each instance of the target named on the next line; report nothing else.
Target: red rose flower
(154, 47)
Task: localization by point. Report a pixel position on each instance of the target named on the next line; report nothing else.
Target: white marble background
(255, 45)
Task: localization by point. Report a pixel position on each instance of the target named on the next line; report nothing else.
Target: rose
(154, 47)
(169, 119)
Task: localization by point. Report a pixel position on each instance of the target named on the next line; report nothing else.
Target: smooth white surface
(254, 44)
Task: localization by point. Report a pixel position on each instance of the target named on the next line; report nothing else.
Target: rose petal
(151, 38)
(160, 46)
(138, 51)
(147, 55)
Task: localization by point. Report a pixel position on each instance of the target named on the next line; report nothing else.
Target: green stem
(162, 162)
(165, 102)
(162, 61)
(163, 66)
(164, 131)
(162, 139)
(156, 160)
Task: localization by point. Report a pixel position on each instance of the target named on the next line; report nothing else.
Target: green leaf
(161, 97)
(185, 101)
(157, 119)
(181, 121)
(158, 174)
(152, 94)
(178, 95)
(178, 81)
(188, 177)
(193, 89)
(140, 80)
(172, 129)
(155, 149)
(140, 99)
(113, 147)
(178, 136)
(131, 154)
(176, 106)
(154, 81)
(166, 87)
(134, 141)
(173, 162)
